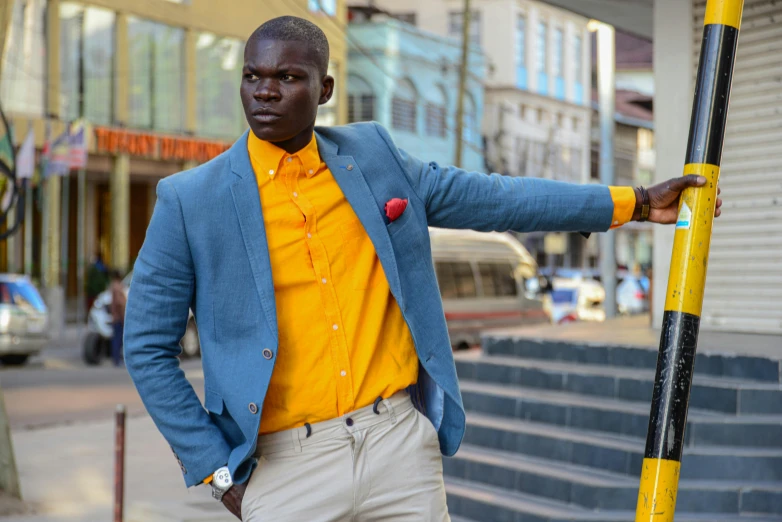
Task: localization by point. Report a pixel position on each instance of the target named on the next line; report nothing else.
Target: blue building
(407, 80)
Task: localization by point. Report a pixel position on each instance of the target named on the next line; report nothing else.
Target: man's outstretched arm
(455, 198)
(156, 317)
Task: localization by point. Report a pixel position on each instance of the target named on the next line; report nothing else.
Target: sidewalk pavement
(638, 332)
(66, 473)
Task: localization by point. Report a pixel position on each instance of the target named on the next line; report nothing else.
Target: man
(118, 302)
(330, 384)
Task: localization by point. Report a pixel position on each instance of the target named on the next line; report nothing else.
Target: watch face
(222, 478)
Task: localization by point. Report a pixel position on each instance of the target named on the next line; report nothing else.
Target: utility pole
(665, 438)
(462, 83)
(606, 86)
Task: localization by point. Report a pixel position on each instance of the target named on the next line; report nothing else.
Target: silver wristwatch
(221, 483)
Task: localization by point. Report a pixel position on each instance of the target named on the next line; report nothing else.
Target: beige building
(158, 80)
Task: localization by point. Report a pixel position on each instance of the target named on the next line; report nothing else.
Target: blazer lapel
(354, 185)
(247, 201)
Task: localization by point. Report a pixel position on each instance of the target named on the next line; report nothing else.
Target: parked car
(632, 295)
(482, 279)
(572, 300)
(23, 320)
(97, 342)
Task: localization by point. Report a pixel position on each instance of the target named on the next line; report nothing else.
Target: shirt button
(335, 327)
(343, 373)
(350, 167)
(310, 171)
(323, 280)
(289, 160)
(253, 408)
(349, 421)
(295, 194)
(309, 236)
(267, 354)
(271, 173)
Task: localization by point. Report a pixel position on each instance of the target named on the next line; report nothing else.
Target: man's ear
(326, 89)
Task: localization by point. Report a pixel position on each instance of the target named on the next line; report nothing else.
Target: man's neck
(298, 142)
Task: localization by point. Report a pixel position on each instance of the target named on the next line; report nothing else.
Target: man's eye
(287, 77)
(250, 77)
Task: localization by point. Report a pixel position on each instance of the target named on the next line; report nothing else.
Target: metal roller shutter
(744, 282)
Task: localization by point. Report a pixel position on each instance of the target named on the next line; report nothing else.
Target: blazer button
(350, 167)
(253, 408)
(267, 354)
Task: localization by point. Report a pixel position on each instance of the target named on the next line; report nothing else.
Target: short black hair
(293, 28)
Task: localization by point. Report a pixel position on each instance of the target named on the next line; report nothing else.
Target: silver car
(23, 320)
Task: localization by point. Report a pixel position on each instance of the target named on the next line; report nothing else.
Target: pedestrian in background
(118, 301)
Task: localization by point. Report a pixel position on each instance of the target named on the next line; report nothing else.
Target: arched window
(470, 132)
(361, 100)
(435, 112)
(403, 107)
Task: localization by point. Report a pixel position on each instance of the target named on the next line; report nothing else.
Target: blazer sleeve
(156, 317)
(456, 198)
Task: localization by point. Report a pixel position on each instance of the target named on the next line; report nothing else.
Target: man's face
(282, 88)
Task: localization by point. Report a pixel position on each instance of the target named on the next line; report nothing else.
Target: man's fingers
(719, 190)
(719, 202)
(690, 180)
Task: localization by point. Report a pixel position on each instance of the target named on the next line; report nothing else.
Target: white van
(482, 283)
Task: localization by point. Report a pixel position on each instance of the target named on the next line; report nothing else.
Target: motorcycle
(97, 341)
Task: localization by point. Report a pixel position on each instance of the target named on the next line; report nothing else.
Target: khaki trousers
(362, 467)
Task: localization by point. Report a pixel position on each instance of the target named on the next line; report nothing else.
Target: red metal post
(119, 464)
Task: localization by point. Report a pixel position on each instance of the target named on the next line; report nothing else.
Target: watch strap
(646, 205)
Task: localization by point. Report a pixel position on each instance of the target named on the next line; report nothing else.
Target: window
(219, 110)
(578, 63)
(86, 63)
(327, 113)
(435, 113)
(521, 51)
(156, 76)
(408, 18)
(326, 6)
(455, 25)
(361, 100)
(497, 279)
(23, 78)
(540, 65)
(559, 59)
(403, 107)
(456, 280)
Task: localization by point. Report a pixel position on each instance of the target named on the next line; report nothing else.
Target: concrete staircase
(556, 433)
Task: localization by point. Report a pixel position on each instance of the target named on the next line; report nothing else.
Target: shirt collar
(269, 156)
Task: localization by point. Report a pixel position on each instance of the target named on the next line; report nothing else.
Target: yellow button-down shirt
(342, 339)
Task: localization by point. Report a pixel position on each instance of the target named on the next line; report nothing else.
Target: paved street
(56, 387)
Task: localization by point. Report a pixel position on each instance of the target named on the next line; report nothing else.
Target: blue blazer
(206, 249)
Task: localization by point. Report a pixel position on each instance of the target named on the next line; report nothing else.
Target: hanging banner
(77, 137)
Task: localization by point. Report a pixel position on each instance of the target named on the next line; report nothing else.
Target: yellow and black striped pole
(684, 298)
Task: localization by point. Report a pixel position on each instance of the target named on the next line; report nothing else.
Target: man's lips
(265, 115)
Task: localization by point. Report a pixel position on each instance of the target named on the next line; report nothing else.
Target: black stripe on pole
(672, 386)
(712, 93)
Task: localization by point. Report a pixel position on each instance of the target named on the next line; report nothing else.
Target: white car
(572, 300)
(632, 296)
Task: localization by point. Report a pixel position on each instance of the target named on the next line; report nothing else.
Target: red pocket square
(395, 207)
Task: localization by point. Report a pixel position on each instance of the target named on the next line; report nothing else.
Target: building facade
(407, 80)
(538, 90)
(158, 80)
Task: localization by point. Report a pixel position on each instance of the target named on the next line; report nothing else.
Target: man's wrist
(638, 204)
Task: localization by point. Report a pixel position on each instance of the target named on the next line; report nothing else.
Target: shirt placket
(323, 275)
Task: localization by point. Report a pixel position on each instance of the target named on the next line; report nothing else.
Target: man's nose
(266, 91)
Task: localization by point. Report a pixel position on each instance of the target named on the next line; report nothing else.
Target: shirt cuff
(208, 480)
(624, 205)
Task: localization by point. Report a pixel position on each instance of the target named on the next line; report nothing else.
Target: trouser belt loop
(390, 408)
(297, 440)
